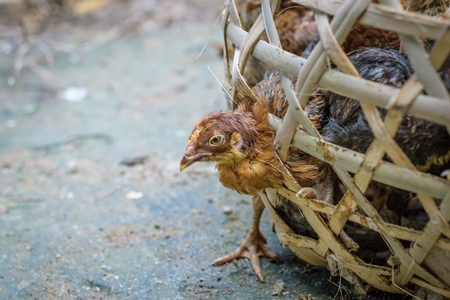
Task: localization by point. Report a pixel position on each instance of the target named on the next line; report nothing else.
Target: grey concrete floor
(76, 223)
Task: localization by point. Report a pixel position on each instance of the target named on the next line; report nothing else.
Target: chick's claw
(307, 192)
(253, 247)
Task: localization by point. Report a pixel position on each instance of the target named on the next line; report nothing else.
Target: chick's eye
(216, 140)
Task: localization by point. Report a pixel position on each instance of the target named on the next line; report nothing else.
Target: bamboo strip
(274, 40)
(375, 270)
(338, 220)
(419, 60)
(441, 291)
(309, 256)
(441, 50)
(430, 234)
(446, 232)
(226, 57)
(269, 23)
(330, 44)
(445, 207)
(250, 41)
(288, 238)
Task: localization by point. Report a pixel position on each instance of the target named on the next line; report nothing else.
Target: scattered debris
(196, 211)
(278, 288)
(200, 292)
(307, 297)
(23, 284)
(134, 195)
(72, 166)
(124, 236)
(242, 281)
(227, 210)
(135, 160)
(73, 94)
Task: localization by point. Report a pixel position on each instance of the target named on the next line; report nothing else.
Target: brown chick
(240, 142)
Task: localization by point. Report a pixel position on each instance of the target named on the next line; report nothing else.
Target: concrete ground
(92, 203)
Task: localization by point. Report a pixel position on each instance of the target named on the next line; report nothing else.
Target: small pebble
(227, 210)
(73, 94)
(134, 195)
(278, 288)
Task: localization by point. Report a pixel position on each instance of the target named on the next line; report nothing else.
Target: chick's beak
(186, 162)
(190, 157)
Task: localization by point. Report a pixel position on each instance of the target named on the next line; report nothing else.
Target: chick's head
(223, 137)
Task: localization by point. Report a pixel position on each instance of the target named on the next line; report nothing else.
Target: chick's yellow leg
(254, 244)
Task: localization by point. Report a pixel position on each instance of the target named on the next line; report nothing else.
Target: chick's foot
(252, 247)
(254, 244)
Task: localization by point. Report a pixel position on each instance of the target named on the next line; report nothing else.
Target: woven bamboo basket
(425, 261)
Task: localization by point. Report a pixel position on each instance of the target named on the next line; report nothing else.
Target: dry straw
(425, 263)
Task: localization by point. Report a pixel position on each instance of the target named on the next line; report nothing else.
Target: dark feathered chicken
(429, 7)
(425, 143)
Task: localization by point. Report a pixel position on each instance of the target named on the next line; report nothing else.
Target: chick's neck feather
(252, 166)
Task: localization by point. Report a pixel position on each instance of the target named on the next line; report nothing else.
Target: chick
(241, 143)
